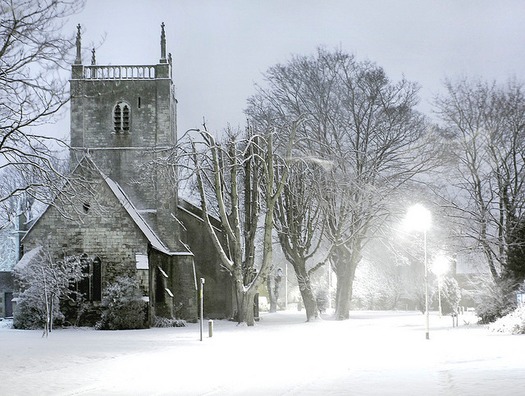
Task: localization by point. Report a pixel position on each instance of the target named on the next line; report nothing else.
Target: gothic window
(121, 117)
(91, 284)
(96, 284)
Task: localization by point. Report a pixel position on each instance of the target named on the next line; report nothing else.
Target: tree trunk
(307, 293)
(271, 294)
(310, 304)
(343, 296)
(345, 288)
(245, 307)
(273, 284)
(346, 265)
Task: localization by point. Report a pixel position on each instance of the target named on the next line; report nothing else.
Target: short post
(201, 298)
(455, 319)
(210, 328)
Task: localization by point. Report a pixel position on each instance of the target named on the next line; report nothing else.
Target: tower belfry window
(125, 118)
(121, 117)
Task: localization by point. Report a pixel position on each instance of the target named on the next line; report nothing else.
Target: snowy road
(374, 353)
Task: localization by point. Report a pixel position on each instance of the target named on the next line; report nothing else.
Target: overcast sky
(220, 48)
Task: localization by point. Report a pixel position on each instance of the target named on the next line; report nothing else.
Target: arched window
(121, 117)
(96, 284)
(91, 284)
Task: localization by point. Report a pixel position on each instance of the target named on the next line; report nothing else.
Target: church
(121, 209)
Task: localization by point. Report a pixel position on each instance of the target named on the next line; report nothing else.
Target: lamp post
(419, 218)
(201, 301)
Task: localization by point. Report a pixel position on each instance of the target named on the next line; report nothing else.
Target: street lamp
(419, 218)
(440, 267)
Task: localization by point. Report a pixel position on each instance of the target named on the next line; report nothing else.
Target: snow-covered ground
(373, 353)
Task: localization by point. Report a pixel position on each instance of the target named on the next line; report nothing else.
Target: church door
(8, 304)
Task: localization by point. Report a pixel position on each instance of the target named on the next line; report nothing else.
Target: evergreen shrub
(122, 306)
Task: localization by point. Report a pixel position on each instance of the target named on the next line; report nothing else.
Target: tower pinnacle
(162, 44)
(78, 59)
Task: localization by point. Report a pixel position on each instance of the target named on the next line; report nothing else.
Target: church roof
(148, 232)
(132, 211)
(28, 258)
(153, 239)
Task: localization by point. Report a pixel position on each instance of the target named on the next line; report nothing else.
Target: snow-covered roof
(148, 232)
(27, 258)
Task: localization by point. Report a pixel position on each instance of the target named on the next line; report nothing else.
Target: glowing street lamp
(419, 218)
(440, 267)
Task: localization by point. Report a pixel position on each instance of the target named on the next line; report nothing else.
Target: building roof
(28, 258)
(150, 235)
(153, 239)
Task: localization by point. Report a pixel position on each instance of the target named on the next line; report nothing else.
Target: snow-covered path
(374, 353)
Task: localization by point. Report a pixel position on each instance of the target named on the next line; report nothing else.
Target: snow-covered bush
(513, 323)
(6, 323)
(168, 322)
(450, 295)
(31, 313)
(122, 306)
(44, 282)
(494, 300)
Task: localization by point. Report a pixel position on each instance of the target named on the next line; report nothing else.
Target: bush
(494, 299)
(30, 312)
(513, 323)
(450, 296)
(168, 322)
(45, 282)
(122, 306)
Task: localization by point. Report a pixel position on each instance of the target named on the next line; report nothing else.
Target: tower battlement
(123, 72)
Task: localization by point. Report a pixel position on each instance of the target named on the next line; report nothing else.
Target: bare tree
(44, 282)
(239, 176)
(366, 126)
(27, 188)
(299, 225)
(486, 122)
(33, 51)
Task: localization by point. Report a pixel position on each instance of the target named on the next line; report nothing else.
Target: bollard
(210, 328)
(454, 319)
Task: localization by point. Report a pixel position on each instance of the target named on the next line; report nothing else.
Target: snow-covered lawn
(373, 353)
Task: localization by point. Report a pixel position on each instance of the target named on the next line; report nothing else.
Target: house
(120, 208)
(6, 294)
(9, 238)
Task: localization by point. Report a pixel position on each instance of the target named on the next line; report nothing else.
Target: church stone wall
(104, 230)
(218, 298)
(172, 286)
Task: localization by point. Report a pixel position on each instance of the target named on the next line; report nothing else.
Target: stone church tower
(124, 117)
